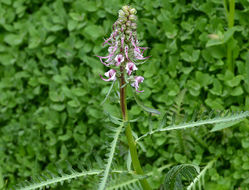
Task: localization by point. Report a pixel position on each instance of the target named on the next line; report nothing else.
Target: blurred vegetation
(50, 89)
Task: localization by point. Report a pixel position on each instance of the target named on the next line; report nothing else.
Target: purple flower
(137, 52)
(109, 61)
(130, 67)
(113, 35)
(138, 79)
(126, 52)
(111, 75)
(107, 41)
(110, 49)
(119, 59)
(122, 41)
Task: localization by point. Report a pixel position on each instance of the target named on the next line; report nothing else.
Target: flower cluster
(124, 50)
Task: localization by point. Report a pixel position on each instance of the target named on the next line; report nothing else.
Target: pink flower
(119, 59)
(109, 57)
(110, 49)
(113, 35)
(138, 55)
(111, 75)
(137, 52)
(122, 41)
(107, 41)
(130, 67)
(126, 52)
(138, 79)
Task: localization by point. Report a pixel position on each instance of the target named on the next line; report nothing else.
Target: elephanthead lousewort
(124, 50)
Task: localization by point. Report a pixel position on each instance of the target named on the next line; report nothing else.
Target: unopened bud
(134, 26)
(128, 23)
(122, 20)
(124, 27)
(119, 30)
(121, 13)
(118, 23)
(133, 11)
(126, 9)
(128, 31)
(132, 17)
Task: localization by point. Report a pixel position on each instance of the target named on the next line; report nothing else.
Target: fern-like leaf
(173, 179)
(131, 182)
(127, 182)
(199, 179)
(218, 119)
(108, 93)
(113, 145)
(48, 179)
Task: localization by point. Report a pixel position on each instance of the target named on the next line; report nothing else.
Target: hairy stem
(131, 142)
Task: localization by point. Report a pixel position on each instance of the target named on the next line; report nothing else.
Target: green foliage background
(50, 89)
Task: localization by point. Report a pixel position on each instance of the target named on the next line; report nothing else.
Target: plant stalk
(230, 19)
(128, 132)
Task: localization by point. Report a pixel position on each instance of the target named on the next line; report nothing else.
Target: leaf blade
(145, 108)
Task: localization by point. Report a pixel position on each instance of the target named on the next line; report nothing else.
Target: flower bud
(128, 32)
(121, 13)
(134, 26)
(119, 30)
(132, 17)
(118, 22)
(128, 23)
(124, 27)
(133, 11)
(122, 19)
(126, 9)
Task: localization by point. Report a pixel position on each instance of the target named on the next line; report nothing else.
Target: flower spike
(124, 50)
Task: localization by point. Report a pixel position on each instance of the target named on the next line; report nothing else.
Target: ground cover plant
(50, 96)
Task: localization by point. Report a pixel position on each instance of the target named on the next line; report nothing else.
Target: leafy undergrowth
(51, 90)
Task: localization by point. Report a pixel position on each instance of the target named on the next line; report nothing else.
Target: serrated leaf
(199, 179)
(164, 121)
(108, 93)
(221, 126)
(219, 119)
(128, 161)
(113, 145)
(114, 119)
(39, 183)
(173, 179)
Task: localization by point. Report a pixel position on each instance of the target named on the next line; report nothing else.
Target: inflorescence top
(124, 50)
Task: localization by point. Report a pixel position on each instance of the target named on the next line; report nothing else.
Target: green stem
(231, 13)
(131, 142)
(230, 19)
